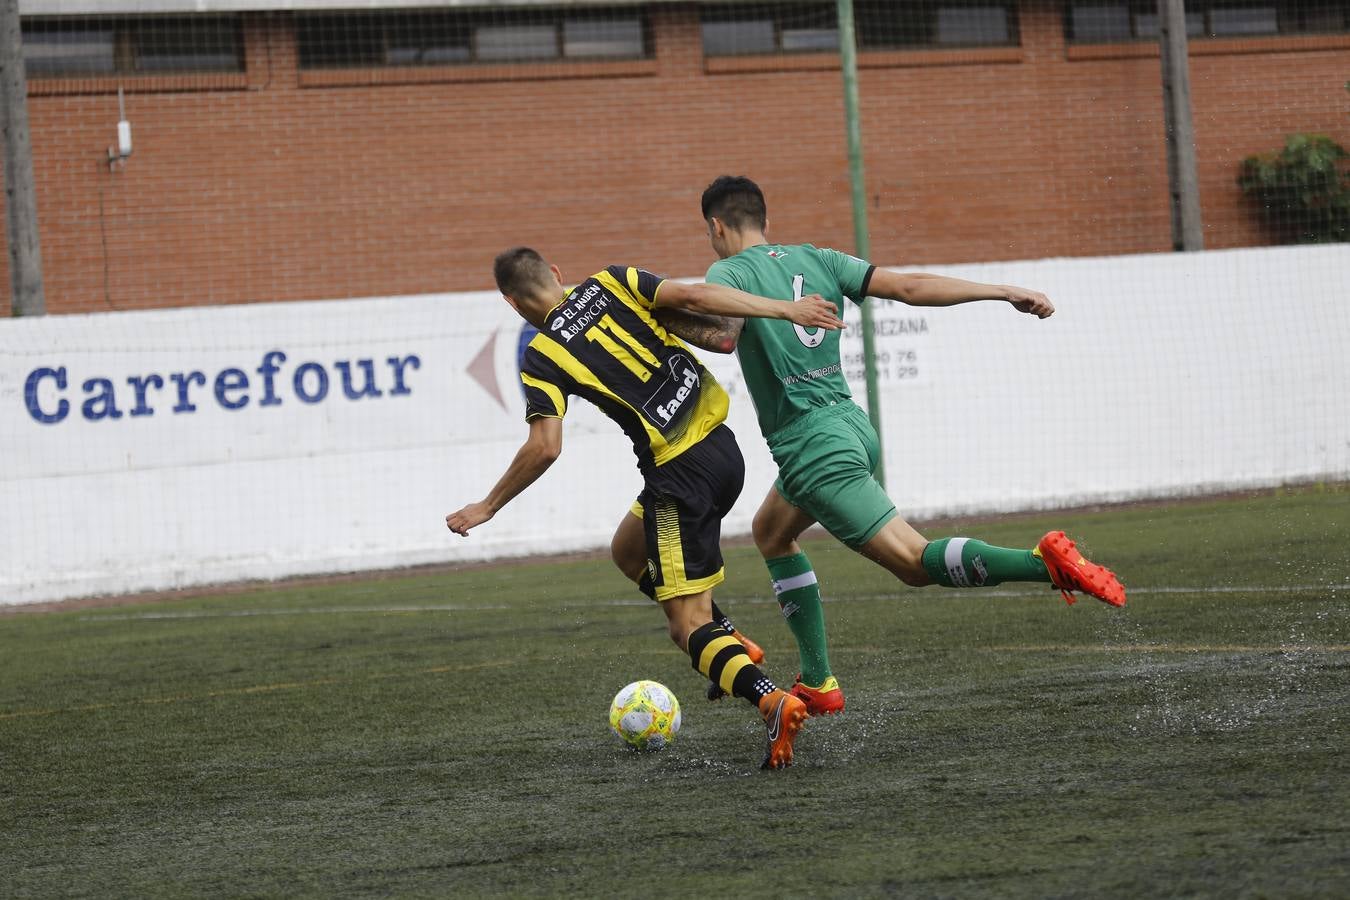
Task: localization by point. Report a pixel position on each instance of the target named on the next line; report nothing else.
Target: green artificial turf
(444, 734)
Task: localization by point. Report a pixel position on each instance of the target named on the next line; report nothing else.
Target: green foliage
(1302, 193)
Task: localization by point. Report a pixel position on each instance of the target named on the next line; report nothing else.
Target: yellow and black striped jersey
(602, 342)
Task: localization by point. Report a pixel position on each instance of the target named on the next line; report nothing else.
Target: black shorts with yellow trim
(682, 505)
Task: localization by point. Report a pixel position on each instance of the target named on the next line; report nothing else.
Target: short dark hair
(737, 201)
(520, 271)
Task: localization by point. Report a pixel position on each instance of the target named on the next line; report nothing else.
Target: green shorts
(825, 464)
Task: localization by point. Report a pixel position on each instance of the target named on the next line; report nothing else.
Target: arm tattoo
(717, 334)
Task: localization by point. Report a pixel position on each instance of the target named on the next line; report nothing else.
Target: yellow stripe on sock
(715, 646)
(730, 670)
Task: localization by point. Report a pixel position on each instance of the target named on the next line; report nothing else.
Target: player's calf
(752, 650)
(723, 659)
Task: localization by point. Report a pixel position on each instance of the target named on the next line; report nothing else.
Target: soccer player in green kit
(824, 444)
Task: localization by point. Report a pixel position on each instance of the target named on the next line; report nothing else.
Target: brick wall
(277, 184)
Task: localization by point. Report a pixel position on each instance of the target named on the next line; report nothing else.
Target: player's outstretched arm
(922, 289)
(812, 311)
(533, 458)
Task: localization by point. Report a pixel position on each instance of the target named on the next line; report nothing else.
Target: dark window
(596, 37)
(940, 23)
(439, 38)
(744, 28)
(1147, 25)
(72, 47)
(972, 25)
(1102, 21)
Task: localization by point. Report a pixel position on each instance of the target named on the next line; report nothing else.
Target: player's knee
(769, 539)
(909, 569)
(904, 562)
(679, 633)
(759, 526)
(914, 578)
(625, 560)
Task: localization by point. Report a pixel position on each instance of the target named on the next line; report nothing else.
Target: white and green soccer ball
(645, 715)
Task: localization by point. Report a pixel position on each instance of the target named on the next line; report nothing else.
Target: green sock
(963, 562)
(798, 593)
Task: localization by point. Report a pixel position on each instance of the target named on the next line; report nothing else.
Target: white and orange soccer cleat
(784, 715)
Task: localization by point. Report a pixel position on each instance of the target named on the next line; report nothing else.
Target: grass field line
(873, 650)
(255, 689)
(1038, 591)
(1165, 648)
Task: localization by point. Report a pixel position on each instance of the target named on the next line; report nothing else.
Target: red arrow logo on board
(483, 369)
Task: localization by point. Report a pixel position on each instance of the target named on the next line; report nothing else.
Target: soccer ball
(645, 715)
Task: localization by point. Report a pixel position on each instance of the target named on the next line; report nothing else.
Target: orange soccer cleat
(784, 715)
(1070, 571)
(825, 700)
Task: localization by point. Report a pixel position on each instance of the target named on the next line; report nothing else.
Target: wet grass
(444, 734)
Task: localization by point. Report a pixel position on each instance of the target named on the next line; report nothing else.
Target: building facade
(292, 151)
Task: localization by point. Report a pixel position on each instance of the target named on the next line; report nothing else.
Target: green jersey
(791, 370)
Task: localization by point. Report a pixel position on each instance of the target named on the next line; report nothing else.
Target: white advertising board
(164, 449)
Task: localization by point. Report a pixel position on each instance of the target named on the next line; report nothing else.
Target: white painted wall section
(165, 449)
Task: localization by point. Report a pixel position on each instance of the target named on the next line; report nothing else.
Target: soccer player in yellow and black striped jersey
(602, 341)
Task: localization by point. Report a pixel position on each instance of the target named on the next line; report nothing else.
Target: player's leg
(824, 475)
(753, 650)
(776, 527)
(846, 508)
(968, 563)
(712, 650)
(628, 549)
(686, 615)
(683, 506)
(721, 658)
(898, 548)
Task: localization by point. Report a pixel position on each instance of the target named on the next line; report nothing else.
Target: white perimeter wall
(1159, 375)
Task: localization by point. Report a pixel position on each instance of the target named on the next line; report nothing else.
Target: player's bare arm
(812, 311)
(533, 459)
(716, 334)
(923, 289)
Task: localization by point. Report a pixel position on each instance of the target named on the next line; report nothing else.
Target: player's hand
(474, 514)
(1033, 302)
(814, 311)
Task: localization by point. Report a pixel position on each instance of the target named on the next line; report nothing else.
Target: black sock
(720, 618)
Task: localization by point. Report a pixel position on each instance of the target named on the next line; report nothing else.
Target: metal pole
(848, 59)
(1187, 231)
(25, 255)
